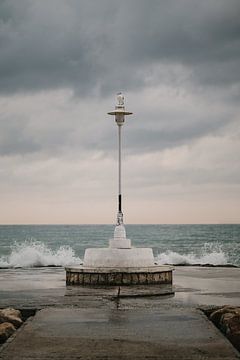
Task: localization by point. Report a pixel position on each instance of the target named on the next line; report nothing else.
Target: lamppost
(119, 114)
(119, 263)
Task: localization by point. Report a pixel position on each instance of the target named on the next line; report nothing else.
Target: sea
(32, 246)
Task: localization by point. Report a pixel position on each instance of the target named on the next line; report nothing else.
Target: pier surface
(85, 323)
(119, 334)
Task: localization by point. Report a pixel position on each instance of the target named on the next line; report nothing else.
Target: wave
(36, 254)
(209, 254)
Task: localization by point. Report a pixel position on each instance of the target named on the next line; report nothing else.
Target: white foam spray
(36, 254)
(211, 254)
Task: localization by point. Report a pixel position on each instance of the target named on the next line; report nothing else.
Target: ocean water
(24, 246)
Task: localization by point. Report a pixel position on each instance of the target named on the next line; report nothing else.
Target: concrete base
(119, 276)
(120, 244)
(118, 257)
(119, 264)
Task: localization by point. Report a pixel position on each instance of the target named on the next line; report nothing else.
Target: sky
(62, 62)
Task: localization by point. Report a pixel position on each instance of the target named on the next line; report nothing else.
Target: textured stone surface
(227, 319)
(118, 278)
(216, 315)
(6, 330)
(11, 316)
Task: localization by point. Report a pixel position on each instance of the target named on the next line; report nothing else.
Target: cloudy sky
(61, 64)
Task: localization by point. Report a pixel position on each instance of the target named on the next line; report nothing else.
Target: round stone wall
(153, 275)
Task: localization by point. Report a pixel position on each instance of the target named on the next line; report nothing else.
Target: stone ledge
(149, 269)
(110, 277)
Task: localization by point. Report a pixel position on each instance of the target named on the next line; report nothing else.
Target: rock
(230, 325)
(11, 316)
(235, 339)
(227, 319)
(6, 330)
(216, 315)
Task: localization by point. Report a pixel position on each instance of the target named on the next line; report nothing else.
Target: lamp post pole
(119, 169)
(119, 114)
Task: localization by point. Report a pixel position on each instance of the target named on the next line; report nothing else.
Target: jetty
(100, 323)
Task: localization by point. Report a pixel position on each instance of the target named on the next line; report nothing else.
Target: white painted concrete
(112, 257)
(120, 232)
(120, 243)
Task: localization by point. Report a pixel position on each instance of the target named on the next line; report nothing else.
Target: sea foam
(37, 254)
(210, 254)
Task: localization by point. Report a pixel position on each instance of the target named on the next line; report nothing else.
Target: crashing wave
(37, 254)
(211, 255)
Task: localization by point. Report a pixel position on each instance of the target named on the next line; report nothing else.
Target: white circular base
(120, 243)
(118, 257)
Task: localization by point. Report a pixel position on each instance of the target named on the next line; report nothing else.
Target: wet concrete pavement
(86, 323)
(193, 287)
(118, 334)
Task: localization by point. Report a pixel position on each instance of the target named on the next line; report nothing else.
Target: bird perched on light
(120, 99)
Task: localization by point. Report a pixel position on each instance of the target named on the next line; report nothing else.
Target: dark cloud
(93, 46)
(105, 46)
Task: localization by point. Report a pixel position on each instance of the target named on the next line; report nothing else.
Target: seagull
(120, 99)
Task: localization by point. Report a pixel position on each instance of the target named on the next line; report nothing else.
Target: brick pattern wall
(143, 278)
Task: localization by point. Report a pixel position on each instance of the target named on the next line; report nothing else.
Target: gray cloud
(98, 46)
(15, 139)
(61, 62)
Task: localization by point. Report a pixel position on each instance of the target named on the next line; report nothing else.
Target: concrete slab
(67, 333)
(193, 287)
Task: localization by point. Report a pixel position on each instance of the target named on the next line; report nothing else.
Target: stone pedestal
(119, 264)
(153, 275)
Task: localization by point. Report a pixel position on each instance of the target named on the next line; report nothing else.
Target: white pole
(119, 114)
(119, 162)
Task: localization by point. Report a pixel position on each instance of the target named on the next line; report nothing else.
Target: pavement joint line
(114, 297)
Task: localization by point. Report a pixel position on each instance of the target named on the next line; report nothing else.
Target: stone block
(71, 279)
(87, 279)
(150, 278)
(164, 278)
(93, 279)
(142, 278)
(76, 278)
(126, 279)
(155, 278)
(102, 279)
(169, 277)
(112, 278)
(67, 277)
(81, 278)
(118, 278)
(135, 279)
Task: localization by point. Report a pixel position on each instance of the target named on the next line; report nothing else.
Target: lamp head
(119, 111)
